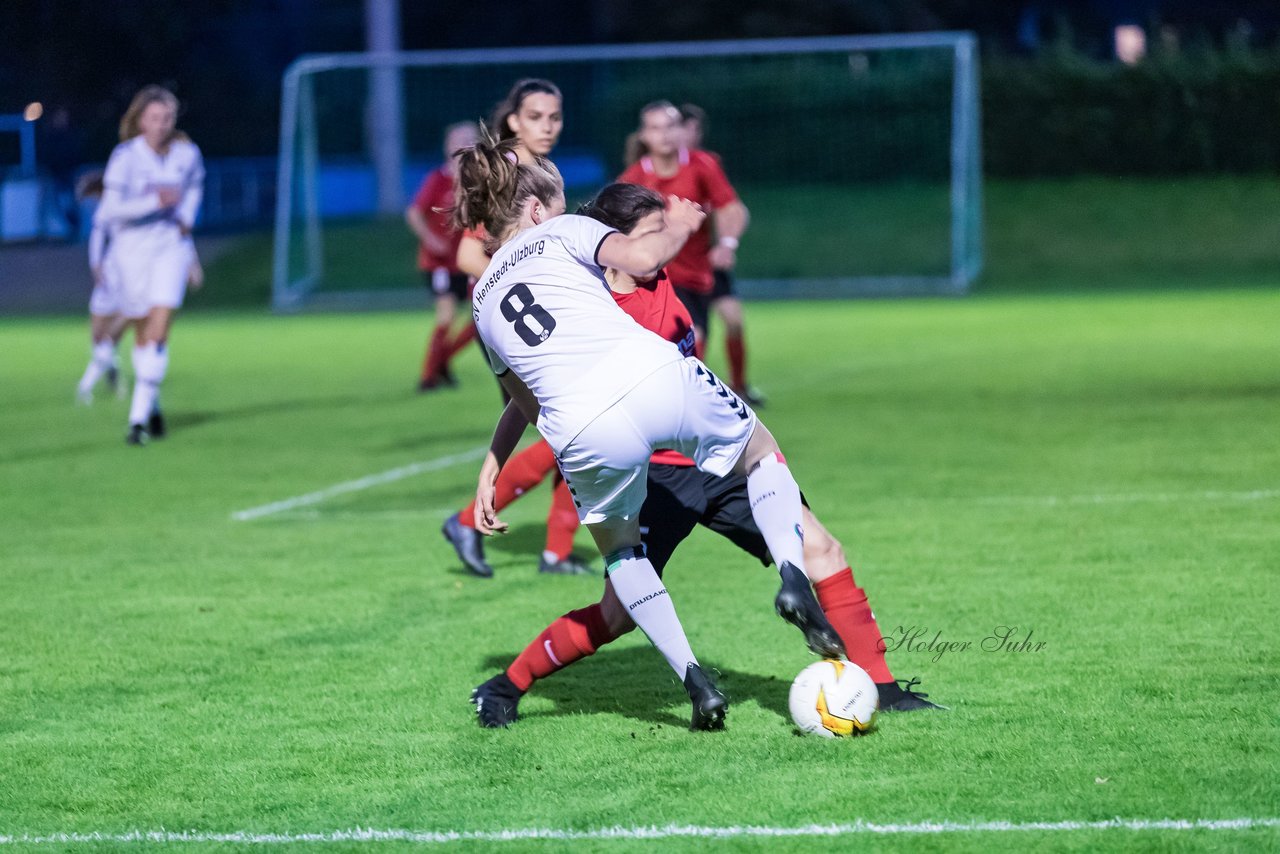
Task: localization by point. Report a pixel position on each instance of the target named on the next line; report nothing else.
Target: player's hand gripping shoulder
(644, 255)
(685, 213)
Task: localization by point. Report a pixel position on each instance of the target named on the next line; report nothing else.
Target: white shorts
(682, 406)
(153, 276)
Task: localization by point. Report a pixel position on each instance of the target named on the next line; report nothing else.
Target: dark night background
(224, 58)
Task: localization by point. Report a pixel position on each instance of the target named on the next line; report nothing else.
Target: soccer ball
(834, 698)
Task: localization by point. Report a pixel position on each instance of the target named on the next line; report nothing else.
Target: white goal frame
(297, 125)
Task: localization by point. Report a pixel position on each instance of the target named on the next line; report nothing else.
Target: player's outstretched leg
(150, 364)
(571, 637)
(101, 364)
(797, 605)
(496, 701)
(900, 696)
(776, 509)
(709, 705)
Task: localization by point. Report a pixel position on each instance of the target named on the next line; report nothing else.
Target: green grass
(1095, 233)
(1100, 469)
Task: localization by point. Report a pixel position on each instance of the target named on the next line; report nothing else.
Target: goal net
(858, 157)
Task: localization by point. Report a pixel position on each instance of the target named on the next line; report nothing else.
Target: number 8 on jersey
(526, 311)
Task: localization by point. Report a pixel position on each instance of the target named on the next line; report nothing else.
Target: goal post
(858, 156)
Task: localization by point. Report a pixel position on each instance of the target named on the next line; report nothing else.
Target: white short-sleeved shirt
(134, 174)
(544, 310)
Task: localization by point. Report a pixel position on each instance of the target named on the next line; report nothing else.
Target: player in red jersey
(672, 167)
(428, 218)
(679, 498)
(725, 304)
(531, 113)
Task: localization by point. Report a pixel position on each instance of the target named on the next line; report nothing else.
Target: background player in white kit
(151, 194)
(106, 324)
(603, 391)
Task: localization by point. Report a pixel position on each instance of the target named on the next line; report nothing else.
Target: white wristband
(729, 242)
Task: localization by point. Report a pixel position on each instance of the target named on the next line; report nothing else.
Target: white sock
(104, 353)
(776, 508)
(92, 373)
(646, 600)
(150, 363)
(159, 368)
(101, 361)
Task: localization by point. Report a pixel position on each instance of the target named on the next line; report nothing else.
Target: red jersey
(655, 306)
(700, 179)
(437, 192)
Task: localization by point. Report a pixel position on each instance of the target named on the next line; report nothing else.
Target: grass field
(1088, 233)
(1100, 470)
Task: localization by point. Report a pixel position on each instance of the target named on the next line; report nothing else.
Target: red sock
(436, 353)
(700, 348)
(464, 337)
(736, 350)
(522, 472)
(562, 520)
(846, 606)
(574, 636)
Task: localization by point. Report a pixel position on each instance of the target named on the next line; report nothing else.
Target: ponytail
(493, 185)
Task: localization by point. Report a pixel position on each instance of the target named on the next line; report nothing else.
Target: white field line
(1124, 498)
(651, 832)
(357, 485)
(314, 515)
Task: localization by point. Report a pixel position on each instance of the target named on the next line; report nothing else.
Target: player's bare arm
(730, 223)
(472, 258)
(417, 223)
(644, 255)
(518, 414)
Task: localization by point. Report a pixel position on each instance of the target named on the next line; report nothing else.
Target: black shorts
(699, 306)
(683, 497)
(441, 282)
(723, 286)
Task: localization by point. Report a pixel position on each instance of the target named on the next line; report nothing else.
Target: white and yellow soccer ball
(834, 698)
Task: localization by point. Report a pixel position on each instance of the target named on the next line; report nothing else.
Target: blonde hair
(493, 186)
(146, 96)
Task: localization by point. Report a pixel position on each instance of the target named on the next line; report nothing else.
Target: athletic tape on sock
(614, 559)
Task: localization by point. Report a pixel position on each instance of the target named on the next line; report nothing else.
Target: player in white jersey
(604, 391)
(151, 194)
(106, 324)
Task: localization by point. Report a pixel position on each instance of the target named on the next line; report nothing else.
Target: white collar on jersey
(646, 162)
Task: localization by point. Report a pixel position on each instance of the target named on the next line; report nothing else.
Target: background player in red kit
(671, 167)
(679, 498)
(428, 218)
(532, 114)
(724, 303)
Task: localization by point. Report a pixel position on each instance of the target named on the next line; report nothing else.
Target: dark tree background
(224, 58)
